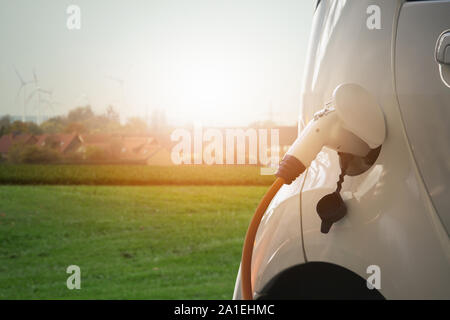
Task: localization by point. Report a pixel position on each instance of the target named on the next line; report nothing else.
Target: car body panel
(424, 96)
(391, 221)
(278, 243)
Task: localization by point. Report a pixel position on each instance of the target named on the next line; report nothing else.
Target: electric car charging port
(353, 125)
(331, 208)
(356, 165)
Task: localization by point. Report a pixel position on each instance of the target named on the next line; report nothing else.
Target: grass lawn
(131, 242)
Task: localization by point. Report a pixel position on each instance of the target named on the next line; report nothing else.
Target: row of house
(139, 149)
(136, 149)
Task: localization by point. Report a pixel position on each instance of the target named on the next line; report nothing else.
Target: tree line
(81, 120)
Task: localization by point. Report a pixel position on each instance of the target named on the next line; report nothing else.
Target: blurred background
(86, 115)
(218, 62)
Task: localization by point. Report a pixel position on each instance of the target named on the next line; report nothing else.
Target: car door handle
(443, 48)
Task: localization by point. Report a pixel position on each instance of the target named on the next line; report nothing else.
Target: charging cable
(352, 123)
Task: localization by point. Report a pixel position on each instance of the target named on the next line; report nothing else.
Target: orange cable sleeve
(247, 251)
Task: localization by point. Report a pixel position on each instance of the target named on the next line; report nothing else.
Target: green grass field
(131, 242)
(132, 175)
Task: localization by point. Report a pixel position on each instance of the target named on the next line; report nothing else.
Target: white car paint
(391, 221)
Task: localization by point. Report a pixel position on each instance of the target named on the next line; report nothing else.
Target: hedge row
(132, 175)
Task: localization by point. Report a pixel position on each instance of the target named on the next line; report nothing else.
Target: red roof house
(7, 141)
(64, 143)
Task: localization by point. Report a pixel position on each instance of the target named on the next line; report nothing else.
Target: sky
(215, 62)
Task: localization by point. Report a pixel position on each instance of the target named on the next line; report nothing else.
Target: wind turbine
(122, 83)
(22, 88)
(39, 92)
(50, 102)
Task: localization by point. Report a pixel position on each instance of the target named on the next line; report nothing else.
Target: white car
(393, 241)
